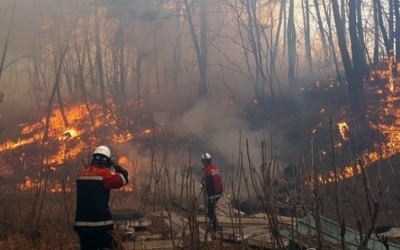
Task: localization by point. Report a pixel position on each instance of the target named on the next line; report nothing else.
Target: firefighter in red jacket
(93, 220)
(212, 183)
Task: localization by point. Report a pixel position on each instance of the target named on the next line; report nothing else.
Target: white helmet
(103, 150)
(206, 158)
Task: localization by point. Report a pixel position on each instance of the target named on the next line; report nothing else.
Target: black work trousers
(96, 240)
(211, 205)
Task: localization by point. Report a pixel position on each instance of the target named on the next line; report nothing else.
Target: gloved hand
(122, 171)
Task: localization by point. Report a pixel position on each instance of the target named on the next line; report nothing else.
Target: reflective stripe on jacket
(93, 186)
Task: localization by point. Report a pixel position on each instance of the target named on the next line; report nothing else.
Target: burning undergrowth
(330, 137)
(68, 135)
(68, 138)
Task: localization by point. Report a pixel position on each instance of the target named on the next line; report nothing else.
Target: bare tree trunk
(121, 65)
(177, 48)
(291, 42)
(321, 29)
(99, 61)
(81, 58)
(255, 43)
(307, 32)
(341, 37)
(391, 21)
(88, 54)
(57, 81)
(138, 78)
(343, 14)
(69, 81)
(360, 38)
(385, 34)
(118, 64)
(354, 77)
(138, 73)
(5, 48)
(56, 88)
(376, 33)
(204, 48)
(200, 45)
(62, 108)
(284, 28)
(397, 30)
(275, 45)
(356, 84)
(156, 64)
(330, 38)
(251, 34)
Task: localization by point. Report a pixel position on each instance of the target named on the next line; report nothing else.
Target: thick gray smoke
(217, 125)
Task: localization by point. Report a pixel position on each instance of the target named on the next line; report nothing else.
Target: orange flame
(344, 130)
(67, 143)
(79, 122)
(390, 144)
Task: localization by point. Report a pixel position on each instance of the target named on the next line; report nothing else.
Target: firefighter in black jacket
(212, 182)
(93, 221)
